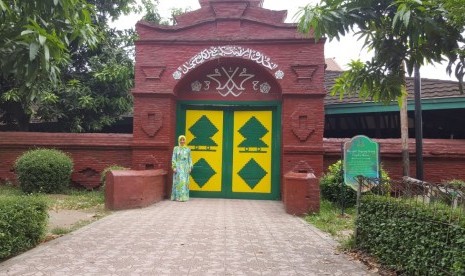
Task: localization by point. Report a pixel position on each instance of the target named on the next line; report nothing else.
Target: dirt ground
(66, 219)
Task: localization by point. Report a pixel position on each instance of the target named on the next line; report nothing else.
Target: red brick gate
(229, 54)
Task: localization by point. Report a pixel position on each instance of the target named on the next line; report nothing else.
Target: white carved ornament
(230, 82)
(227, 51)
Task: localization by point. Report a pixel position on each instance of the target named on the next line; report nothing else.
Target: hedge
(23, 223)
(412, 237)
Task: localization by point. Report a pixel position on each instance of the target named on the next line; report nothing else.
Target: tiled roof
(430, 89)
(332, 65)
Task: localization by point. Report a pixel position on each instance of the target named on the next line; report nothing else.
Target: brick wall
(443, 159)
(91, 153)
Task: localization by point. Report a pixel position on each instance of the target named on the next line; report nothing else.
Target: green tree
(456, 11)
(92, 89)
(95, 91)
(35, 38)
(401, 33)
(151, 12)
(152, 15)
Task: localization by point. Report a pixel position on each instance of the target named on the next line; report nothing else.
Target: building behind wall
(442, 104)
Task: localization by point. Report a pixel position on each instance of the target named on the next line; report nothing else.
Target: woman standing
(181, 162)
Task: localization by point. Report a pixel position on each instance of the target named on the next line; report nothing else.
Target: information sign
(361, 157)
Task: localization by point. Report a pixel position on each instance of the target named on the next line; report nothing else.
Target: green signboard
(361, 157)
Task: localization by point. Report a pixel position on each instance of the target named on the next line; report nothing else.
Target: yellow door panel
(204, 135)
(252, 151)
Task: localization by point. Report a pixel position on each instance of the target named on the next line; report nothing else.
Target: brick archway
(229, 78)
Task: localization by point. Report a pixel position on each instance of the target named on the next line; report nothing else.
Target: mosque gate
(243, 86)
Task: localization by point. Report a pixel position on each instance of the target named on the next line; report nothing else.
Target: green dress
(182, 162)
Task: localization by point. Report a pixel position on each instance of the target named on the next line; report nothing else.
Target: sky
(343, 51)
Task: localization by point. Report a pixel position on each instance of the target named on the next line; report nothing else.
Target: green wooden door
(235, 151)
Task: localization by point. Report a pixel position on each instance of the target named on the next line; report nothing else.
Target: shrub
(456, 184)
(332, 189)
(413, 238)
(103, 175)
(452, 192)
(44, 171)
(23, 222)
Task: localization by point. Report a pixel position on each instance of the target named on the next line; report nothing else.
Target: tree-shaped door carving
(253, 132)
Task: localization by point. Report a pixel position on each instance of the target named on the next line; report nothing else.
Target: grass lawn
(71, 199)
(73, 203)
(331, 220)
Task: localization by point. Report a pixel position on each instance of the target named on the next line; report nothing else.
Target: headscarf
(179, 140)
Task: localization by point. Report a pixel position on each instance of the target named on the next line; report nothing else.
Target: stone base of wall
(127, 189)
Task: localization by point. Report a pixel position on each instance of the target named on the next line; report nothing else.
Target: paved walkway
(199, 237)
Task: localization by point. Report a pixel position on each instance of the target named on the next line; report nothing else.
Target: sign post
(361, 157)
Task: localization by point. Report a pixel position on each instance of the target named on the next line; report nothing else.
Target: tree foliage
(401, 33)
(152, 15)
(61, 62)
(95, 93)
(35, 38)
(456, 10)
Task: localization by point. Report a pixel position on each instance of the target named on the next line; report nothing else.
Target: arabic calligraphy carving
(226, 51)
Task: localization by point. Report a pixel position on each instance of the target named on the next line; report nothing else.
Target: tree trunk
(404, 133)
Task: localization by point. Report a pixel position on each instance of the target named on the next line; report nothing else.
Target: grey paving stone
(199, 237)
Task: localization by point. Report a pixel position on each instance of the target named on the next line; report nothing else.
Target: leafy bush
(332, 189)
(413, 238)
(44, 171)
(23, 222)
(103, 175)
(451, 193)
(456, 184)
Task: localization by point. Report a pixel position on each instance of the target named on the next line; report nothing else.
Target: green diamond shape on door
(203, 131)
(253, 132)
(202, 172)
(252, 173)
